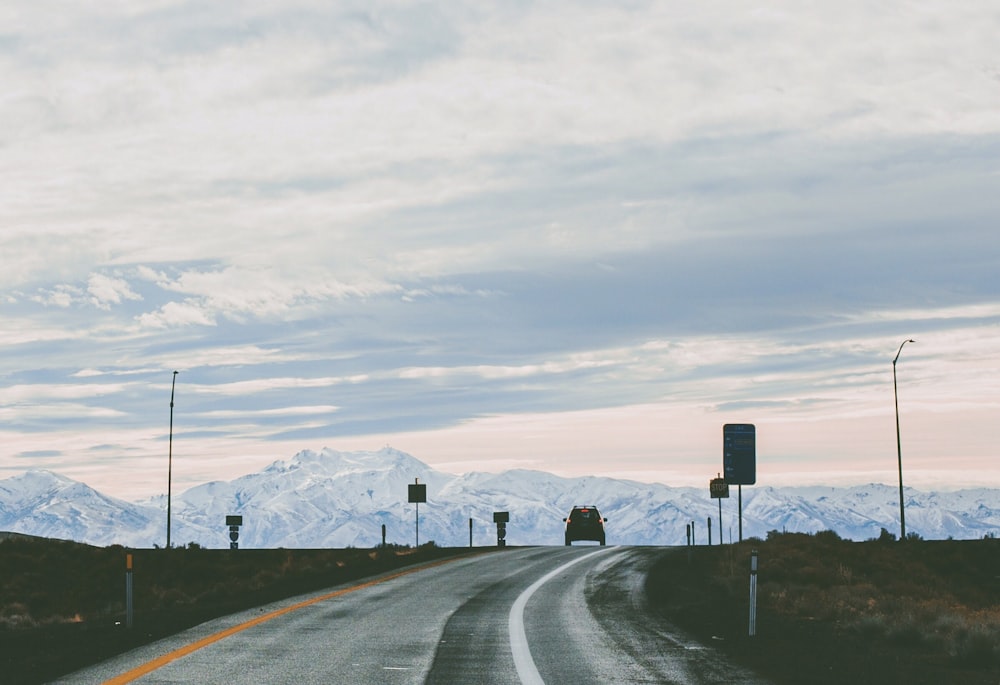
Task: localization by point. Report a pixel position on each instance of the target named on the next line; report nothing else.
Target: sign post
(719, 489)
(739, 458)
(417, 492)
(753, 594)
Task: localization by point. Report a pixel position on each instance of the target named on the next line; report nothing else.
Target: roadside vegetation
(62, 604)
(835, 611)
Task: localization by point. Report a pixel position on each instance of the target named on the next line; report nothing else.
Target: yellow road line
(169, 657)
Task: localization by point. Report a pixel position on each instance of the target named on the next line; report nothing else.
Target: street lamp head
(901, 349)
(173, 383)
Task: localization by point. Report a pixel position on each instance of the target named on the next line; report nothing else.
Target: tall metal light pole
(899, 449)
(170, 454)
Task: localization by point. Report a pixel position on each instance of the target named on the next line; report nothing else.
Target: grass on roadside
(841, 611)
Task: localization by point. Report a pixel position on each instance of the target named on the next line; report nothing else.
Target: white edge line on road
(526, 669)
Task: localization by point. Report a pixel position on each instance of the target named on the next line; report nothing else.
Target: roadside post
(417, 493)
(501, 518)
(383, 535)
(693, 543)
(719, 489)
(709, 521)
(470, 533)
(128, 591)
(753, 593)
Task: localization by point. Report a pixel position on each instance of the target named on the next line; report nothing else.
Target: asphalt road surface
(534, 615)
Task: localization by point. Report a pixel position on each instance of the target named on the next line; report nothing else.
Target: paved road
(535, 615)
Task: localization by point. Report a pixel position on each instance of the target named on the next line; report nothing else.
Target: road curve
(532, 615)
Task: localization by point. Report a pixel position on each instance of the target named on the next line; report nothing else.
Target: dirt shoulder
(833, 611)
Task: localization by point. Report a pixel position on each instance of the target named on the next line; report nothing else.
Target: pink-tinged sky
(577, 239)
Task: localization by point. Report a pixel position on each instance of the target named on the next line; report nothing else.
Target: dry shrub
(906, 630)
(934, 596)
(16, 615)
(976, 646)
(970, 638)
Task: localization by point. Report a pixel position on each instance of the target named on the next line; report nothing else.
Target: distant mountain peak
(331, 461)
(34, 484)
(41, 477)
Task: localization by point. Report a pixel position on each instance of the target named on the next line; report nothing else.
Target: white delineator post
(128, 590)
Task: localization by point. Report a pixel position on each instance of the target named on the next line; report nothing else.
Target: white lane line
(526, 669)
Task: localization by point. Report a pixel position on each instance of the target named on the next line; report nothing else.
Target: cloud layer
(456, 226)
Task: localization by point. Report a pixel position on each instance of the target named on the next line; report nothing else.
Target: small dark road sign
(417, 492)
(719, 488)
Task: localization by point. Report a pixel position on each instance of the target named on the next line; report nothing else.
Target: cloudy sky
(569, 236)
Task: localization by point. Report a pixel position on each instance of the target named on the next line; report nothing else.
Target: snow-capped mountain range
(340, 499)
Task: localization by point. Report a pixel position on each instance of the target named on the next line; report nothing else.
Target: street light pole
(899, 449)
(170, 454)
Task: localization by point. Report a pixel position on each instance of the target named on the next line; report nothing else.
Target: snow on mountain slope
(316, 499)
(49, 505)
(339, 499)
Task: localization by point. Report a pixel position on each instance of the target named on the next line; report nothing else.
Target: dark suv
(584, 523)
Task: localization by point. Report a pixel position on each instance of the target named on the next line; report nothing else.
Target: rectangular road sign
(719, 488)
(417, 492)
(739, 453)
